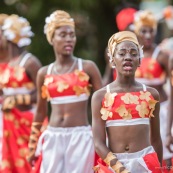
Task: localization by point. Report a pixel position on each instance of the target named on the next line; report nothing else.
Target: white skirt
(136, 162)
(66, 150)
(163, 129)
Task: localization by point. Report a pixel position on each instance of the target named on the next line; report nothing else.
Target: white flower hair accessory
(17, 30)
(137, 15)
(141, 52)
(110, 59)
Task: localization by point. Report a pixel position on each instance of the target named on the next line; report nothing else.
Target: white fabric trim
(68, 99)
(14, 91)
(156, 52)
(144, 87)
(49, 69)
(107, 89)
(71, 150)
(80, 67)
(134, 162)
(154, 81)
(123, 122)
(24, 59)
(163, 127)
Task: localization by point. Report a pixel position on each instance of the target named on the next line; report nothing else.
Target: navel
(127, 148)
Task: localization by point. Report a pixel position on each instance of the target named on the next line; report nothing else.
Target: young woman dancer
(18, 84)
(153, 70)
(3, 62)
(127, 112)
(66, 83)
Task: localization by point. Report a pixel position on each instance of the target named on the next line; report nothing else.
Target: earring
(114, 66)
(139, 62)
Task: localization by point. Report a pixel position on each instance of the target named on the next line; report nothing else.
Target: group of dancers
(131, 112)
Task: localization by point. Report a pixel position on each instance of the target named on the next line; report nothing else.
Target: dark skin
(131, 138)
(3, 52)
(170, 117)
(32, 65)
(3, 48)
(70, 114)
(146, 37)
(108, 73)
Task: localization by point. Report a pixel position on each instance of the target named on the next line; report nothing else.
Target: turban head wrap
(17, 30)
(144, 18)
(124, 18)
(120, 37)
(55, 20)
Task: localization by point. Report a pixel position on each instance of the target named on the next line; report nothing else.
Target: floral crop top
(150, 71)
(13, 78)
(68, 87)
(127, 108)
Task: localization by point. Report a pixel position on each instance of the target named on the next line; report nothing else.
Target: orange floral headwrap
(17, 30)
(120, 37)
(2, 18)
(144, 18)
(55, 20)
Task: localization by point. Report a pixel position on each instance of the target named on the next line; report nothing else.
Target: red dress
(16, 124)
(150, 71)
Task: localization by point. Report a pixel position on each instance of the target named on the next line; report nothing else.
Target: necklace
(68, 71)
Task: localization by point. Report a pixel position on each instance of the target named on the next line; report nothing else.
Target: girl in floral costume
(67, 144)
(18, 83)
(127, 112)
(154, 71)
(3, 62)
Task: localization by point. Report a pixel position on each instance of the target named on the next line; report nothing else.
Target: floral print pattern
(140, 102)
(129, 98)
(142, 109)
(124, 113)
(81, 75)
(61, 86)
(109, 99)
(145, 95)
(105, 114)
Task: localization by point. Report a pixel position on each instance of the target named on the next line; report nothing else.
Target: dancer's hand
(8, 103)
(31, 158)
(169, 142)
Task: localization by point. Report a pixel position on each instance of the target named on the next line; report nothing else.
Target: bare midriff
(69, 115)
(128, 139)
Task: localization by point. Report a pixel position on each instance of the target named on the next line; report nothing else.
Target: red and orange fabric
(127, 105)
(16, 124)
(124, 18)
(62, 85)
(150, 69)
(16, 131)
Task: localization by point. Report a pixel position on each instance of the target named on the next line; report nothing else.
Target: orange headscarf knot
(144, 18)
(55, 20)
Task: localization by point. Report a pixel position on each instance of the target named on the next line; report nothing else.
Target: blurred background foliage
(95, 23)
